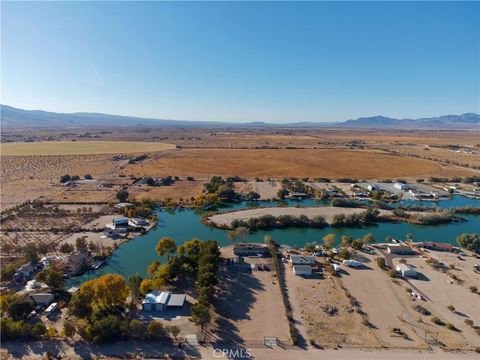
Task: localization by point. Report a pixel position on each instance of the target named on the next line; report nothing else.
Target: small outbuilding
(406, 270)
(302, 270)
(401, 186)
(352, 263)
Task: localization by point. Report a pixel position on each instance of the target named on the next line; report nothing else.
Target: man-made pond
(184, 224)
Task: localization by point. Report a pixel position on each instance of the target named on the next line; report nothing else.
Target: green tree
(81, 244)
(80, 304)
(31, 253)
(52, 278)
(68, 329)
(39, 329)
(134, 283)
(166, 247)
(282, 194)
(20, 308)
(201, 314)
(469, 241)
(122, 195)
(155, 329)
(137, 329)
(66, 248)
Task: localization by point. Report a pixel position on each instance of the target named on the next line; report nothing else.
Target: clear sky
(274, 62)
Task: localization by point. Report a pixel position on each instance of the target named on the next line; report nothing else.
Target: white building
(161, 300)
(399, 249)
(352, 263)
(401, 186)
(302, 260)
(302, 270)
(406, 270)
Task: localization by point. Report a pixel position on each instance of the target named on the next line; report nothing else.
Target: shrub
(392, 273)
(381, 263)
(473, 289)
(451, 308)
(468, 322)
(451, 327)
(436, 320)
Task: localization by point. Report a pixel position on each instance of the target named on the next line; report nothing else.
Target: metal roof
(176, 300)
(156, 297)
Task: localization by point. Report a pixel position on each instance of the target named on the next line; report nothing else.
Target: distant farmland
(81, 147)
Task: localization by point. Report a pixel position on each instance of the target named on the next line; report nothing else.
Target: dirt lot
(309, 297)
(251, 305)
(386, 306)
(277, 164)
(443, 291)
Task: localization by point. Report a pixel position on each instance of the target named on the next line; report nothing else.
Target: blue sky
(275, 62)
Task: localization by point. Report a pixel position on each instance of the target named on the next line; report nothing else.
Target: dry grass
(81, 147)
(364, 164)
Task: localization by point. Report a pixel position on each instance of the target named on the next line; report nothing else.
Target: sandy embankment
(328, 212)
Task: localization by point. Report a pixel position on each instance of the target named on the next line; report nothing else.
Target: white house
(399, 249)
(302, 270)
(161, 300)
(401, 186)
(352, 263)
(302, 260)
(406, 270)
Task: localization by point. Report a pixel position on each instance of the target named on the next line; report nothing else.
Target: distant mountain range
(17, 118)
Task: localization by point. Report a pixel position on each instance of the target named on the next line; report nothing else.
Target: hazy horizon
(243, 62)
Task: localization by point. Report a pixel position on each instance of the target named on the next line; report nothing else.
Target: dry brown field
(277, 164)
(332, 153)
(80, 147)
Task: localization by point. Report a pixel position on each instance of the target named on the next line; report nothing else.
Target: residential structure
(25, 272)
(121, 222)
(302, 270)
(406, 270)
(436, 246)
(399, 249)
(302, 260)
(162, 300)
(401, 186)
(352, 263)
(42, 300)
(250, 250)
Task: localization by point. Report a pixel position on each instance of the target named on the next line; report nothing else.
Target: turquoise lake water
(184, 224)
